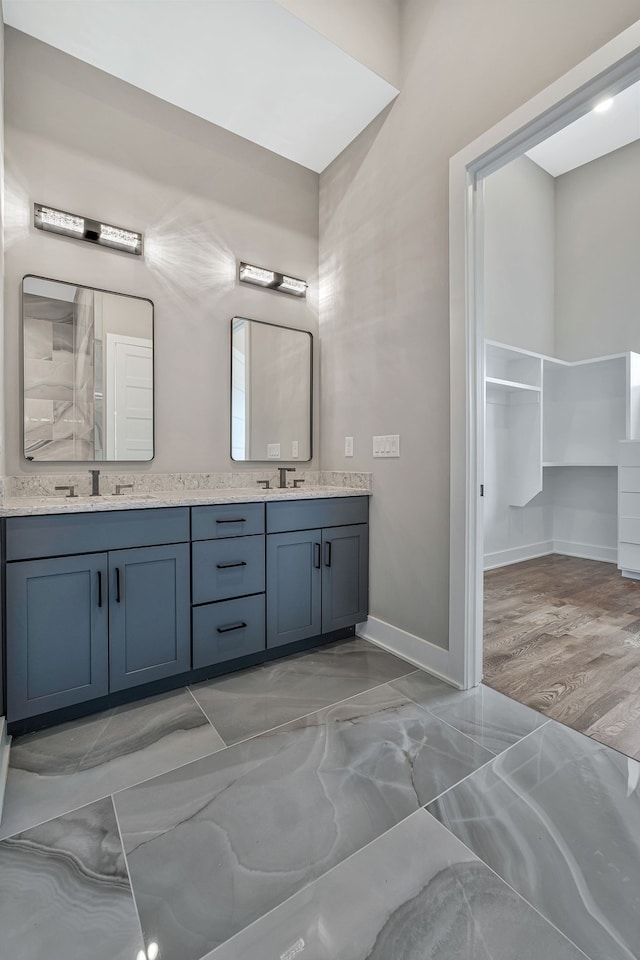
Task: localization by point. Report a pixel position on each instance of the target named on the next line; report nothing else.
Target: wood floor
(563, 636)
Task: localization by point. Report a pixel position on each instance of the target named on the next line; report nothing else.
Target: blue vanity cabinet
(345, 576)
(149, 614)
(82, 625)
(228, 582)
(317, 567)
(56, 633)
(294, 586)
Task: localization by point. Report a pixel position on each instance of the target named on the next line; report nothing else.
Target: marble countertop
(35, 506)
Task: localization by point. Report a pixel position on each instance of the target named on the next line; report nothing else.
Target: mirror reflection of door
(129, 394)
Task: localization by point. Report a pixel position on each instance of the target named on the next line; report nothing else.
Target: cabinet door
(294, 580)
(56, 633)
(345, 576)
(149, 614)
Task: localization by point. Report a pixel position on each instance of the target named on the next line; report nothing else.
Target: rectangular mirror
(271, 391)
(87, 373)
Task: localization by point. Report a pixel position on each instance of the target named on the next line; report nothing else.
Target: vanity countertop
(37, 506)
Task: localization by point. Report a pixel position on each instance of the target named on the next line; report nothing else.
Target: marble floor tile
(256, 700)
(415, 893)
(490, 718)
(64, 767)
(558, 817)
(215, 845)
(64, 891)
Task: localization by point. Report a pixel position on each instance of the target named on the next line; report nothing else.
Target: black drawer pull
(233, 520)
(225, 566)
(327, 553)
(232, 626)
(316, 555)
(99, 588)
(117, 584)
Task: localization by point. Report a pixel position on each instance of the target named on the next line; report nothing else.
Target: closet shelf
(510, 385)
(578, 463)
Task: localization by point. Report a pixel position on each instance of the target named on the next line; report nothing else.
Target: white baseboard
(587, 551)
(530, 551)
(428, 656)
(5, 744)
(502, 558)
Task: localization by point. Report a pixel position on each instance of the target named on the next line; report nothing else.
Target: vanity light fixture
(83, 228)
(272, 280)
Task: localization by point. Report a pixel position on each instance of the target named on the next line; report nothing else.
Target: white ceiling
(593, 135)
(247, 65)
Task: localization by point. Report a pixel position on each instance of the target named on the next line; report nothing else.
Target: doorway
(605, 74)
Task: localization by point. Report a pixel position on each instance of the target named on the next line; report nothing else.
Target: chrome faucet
(95, 483)
(283, 475)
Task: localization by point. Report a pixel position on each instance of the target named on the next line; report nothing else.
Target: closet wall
(561, 279)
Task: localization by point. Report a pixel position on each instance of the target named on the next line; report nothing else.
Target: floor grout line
(112, 793)
(311, 713)
(126, 864)
(336, 866)
(179, 766)
(499, 755)
(513, 889)
(207, 718)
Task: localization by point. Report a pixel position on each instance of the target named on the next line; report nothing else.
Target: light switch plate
(273, 451)
(348, 446)
(387, 446)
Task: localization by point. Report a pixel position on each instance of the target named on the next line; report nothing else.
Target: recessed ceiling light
(604, 105)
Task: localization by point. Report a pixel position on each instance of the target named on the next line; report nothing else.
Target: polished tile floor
(337, 804)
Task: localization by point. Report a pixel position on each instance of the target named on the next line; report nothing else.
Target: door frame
(606, 72)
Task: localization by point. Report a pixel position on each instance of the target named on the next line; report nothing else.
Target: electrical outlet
(294, 449)
(348, 446)
(388, 446)
(273, 451)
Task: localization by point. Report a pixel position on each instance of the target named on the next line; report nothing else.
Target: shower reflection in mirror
(87, 373)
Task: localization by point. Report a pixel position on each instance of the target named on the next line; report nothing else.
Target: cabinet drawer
(226, 630)
(227, 520)
(629, 505)
(222, 569)
(629, 530)
(629, 453)
(629, 479)
(63, 535)
(629, 556)
(308, 514)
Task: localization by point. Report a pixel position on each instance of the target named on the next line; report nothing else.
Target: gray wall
(598, 256)
(519, 256)
(86, 142)
(384, 316)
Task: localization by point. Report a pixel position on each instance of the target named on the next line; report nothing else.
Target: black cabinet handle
(117, 584)
(327, 553)
(99, 588)
(233, 520)
(316, 555)
(225, 566)
(232, 626)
